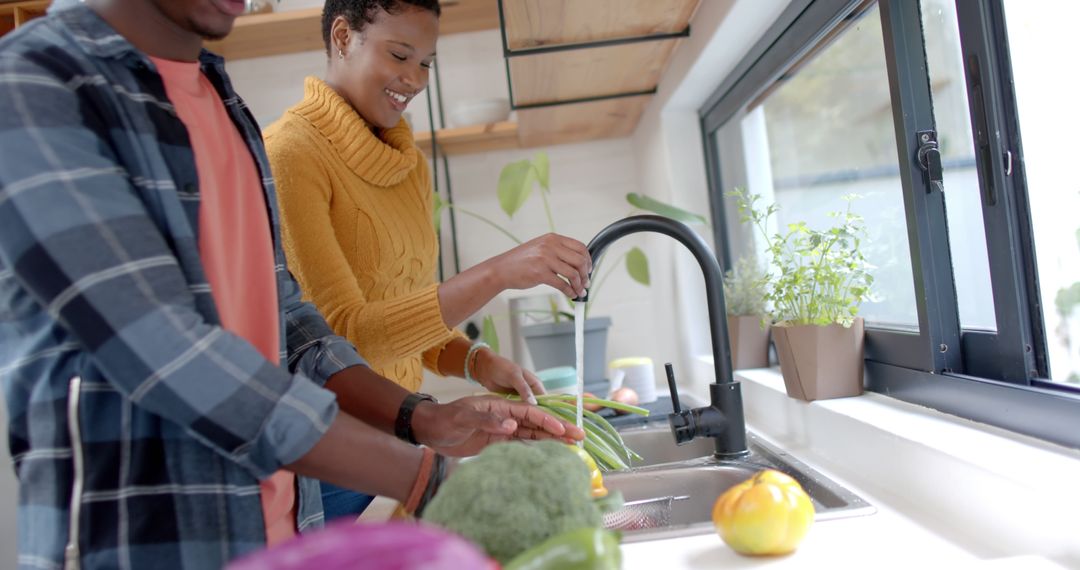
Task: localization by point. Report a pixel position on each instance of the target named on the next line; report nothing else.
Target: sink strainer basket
(642, 514)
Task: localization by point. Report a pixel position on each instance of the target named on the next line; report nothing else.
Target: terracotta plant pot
(749, 342)
(819, 362)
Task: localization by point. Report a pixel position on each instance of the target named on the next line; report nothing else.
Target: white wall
(664, 159)
(588, 181)
(670, 156)
(470, 66)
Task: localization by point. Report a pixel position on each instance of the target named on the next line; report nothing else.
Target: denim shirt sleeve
(313, 348)
(78, 238)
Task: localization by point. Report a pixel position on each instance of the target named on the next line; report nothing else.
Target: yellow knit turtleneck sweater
(356, 211)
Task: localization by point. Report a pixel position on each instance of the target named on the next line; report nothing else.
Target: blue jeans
(338, 502)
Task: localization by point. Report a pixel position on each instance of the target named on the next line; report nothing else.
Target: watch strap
(403, 424)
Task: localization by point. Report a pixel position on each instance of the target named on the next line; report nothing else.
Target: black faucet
(723, 418)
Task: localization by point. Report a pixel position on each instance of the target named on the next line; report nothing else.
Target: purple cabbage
(379, 546)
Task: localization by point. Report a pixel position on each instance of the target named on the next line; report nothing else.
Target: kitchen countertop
(885, 539)
(1003, 518)
(949, 493)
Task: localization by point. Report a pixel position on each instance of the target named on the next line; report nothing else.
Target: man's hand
(465, 426)
(499, 374)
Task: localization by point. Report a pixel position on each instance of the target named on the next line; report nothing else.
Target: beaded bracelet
(469, 356)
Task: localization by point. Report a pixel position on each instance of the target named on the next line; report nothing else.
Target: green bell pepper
(581, 549)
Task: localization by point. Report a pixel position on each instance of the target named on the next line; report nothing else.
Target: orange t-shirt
(234, 243)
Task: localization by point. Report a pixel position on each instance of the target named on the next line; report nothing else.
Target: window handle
(982, 129)
(929, 157)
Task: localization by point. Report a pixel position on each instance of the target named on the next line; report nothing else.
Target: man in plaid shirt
(141, 423)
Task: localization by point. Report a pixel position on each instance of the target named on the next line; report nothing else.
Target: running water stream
(579, 350)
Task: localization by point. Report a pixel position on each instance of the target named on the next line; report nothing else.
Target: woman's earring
(340, 54)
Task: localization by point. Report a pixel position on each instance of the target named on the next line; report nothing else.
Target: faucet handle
(682, 422)
(675, 407)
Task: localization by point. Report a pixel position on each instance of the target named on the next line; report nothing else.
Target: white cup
(636, 373)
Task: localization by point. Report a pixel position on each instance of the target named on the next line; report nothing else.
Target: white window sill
(991, 492)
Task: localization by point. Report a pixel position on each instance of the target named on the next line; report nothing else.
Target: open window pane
(823, 131)
(963, 199)
(1041, 48)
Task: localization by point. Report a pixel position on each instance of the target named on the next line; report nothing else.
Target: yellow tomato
(596, 481)
(766, 514)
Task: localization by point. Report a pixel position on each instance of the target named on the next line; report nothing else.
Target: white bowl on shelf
(479, 112)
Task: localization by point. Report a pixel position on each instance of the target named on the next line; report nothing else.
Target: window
(1040, 35)
(971, 268)
(977, 266)
(825, 131)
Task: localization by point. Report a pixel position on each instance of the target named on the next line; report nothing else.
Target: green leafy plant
(517, 182)
(744, 289)
(1068, 298)
(817, 277)
(1067, 301)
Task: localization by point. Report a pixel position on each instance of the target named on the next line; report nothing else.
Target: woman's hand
(550, 259)
(499, 374)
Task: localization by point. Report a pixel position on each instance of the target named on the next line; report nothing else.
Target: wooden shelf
(550, 77)
(536, 23)
(581, 122)
(543, 127)
(277, 33)
(607, 48)
(15, 14)
(460, 16)
(471, 139)
(577, 74)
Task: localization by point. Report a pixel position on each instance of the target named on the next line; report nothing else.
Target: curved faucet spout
(723, 418)
(710, 269)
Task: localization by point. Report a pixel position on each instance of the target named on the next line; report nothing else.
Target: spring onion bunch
(602, 441)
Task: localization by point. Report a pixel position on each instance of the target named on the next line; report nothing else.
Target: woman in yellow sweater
(356, 206)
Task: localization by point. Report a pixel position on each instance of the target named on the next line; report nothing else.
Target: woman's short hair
(359, 13)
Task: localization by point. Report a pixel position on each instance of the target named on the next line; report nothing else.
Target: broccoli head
(514, 496)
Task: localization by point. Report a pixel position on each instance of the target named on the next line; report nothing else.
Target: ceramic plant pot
(552, 344)
(749, 342)
(819, 362)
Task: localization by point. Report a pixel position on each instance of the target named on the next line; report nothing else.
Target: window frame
(992, 377)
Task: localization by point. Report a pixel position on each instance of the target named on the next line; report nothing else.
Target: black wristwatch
(403, 423)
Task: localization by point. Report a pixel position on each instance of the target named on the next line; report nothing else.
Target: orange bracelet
(423, 477)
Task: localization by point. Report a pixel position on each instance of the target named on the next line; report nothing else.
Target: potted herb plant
(748, 333)
(816, 282)
(550, 339)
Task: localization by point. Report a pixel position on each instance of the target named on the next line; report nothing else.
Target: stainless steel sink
(655, 444)
(690, 471)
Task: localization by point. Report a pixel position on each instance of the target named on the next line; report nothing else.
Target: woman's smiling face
(382, 67)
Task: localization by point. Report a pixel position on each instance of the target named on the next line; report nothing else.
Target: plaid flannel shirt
(138, 427)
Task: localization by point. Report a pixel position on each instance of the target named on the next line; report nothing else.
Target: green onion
(605, 426)
(607, 459)
(598, 401)
(602, 441)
